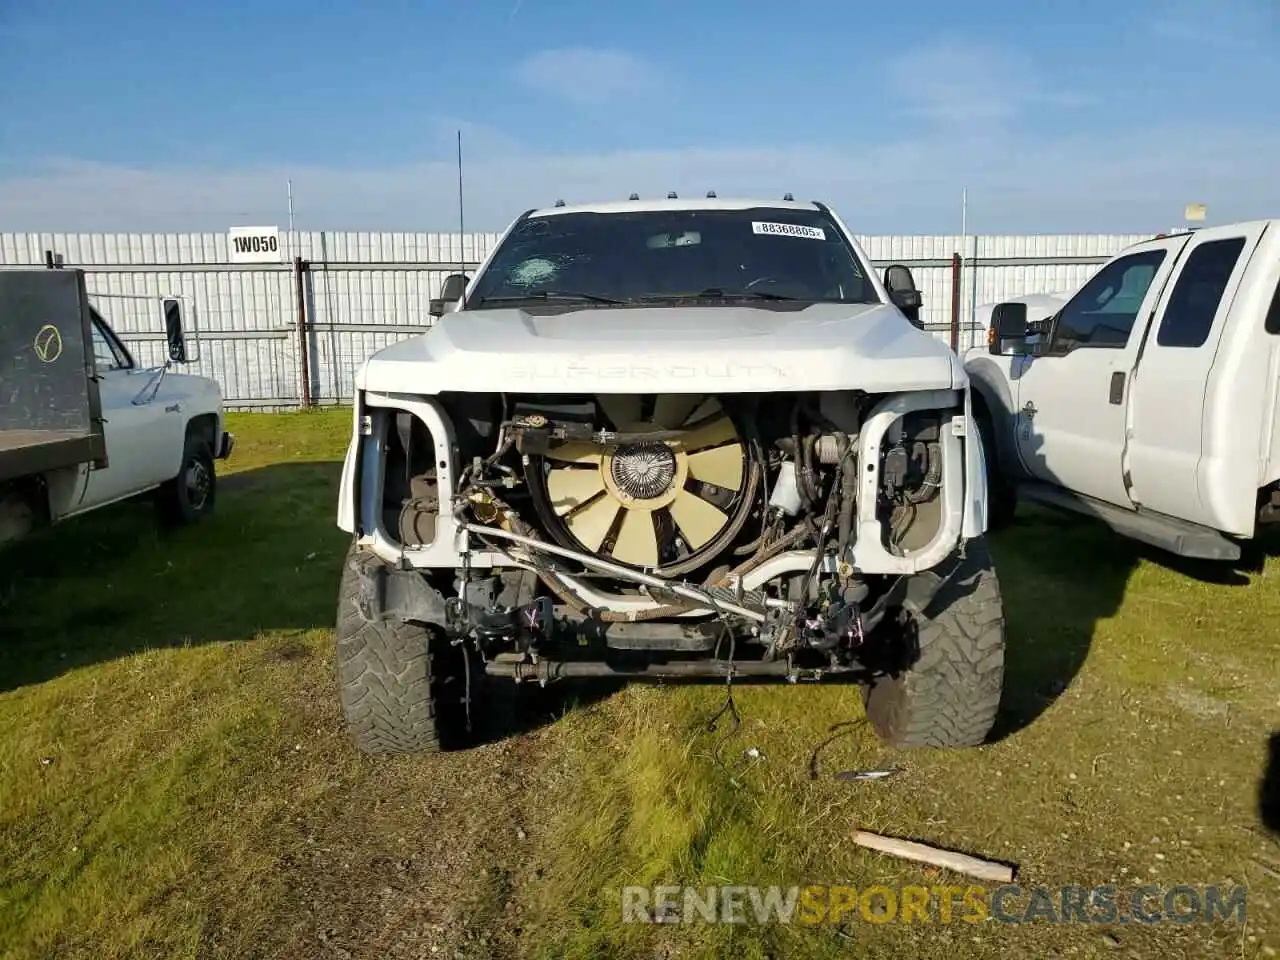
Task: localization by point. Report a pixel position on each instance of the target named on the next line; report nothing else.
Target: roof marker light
(559, 203)
(788, 197)
(711, 194)
(634, 196)
(671, 195)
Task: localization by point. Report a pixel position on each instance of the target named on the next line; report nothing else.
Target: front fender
(348, 488)
(994, 395)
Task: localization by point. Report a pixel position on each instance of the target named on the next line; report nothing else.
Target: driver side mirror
(173, 330)
(903, 293)
(455, 285)
(1008, 323)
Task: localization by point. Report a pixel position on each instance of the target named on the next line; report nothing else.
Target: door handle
(1117, 388)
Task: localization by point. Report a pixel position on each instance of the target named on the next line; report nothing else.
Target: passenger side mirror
(1008, 323)
(173, 331)
(903, 293)
(455, 285)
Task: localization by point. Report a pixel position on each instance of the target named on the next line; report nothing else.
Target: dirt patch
(419, 859)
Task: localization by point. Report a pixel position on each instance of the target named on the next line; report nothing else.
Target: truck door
(1071, 399)
(1168, 392)
(135, 440)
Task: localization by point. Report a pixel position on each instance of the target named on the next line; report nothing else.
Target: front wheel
(945, 690)
(401, 685)
(190, 496)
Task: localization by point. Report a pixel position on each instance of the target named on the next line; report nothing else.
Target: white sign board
(254, 244)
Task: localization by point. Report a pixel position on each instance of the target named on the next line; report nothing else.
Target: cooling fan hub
(643, 471)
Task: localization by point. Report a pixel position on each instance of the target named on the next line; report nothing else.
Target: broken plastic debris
(867, 774)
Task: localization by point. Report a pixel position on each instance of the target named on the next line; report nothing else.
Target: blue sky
(1087, 116)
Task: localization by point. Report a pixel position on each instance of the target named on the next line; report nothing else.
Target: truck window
(1273, 315)
(108, 352)
(1194, 301)
(1103, 312)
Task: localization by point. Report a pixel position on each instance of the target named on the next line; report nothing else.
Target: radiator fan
(650, 503)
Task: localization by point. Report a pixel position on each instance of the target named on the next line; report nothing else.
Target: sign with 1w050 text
(254, 244)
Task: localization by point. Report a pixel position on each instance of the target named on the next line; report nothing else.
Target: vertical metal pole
(304, 349)
(48, 259)
(956, 274)
(973, 284)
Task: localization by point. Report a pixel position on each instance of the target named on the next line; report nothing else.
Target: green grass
(174, 779)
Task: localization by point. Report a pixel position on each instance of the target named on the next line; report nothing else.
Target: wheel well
(205, 427)
(982, 414)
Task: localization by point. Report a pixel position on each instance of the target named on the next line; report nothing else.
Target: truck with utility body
(667, 439)
(1149, 397)
(82, 424)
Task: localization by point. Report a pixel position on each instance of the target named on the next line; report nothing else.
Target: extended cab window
(1273, 315)
(1103, 312)
(1194, 301)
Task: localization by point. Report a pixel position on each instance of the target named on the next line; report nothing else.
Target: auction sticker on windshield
(788, 230)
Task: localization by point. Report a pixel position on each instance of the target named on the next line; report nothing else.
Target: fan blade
(714, 434)
(592, 524)
(637, 541)
(708, 406)
(569, 489)
(576, 452)
(623, 409)
(721, 466)
(698, 520)
(671, 410)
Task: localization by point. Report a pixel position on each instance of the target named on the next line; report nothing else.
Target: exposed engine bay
(646, 534)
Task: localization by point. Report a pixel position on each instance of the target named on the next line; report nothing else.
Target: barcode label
(788, 230)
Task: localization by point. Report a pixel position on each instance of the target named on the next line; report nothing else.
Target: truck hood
(738, 349)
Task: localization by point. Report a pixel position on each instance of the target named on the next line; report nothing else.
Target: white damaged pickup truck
(1149, 398)
(668, 439)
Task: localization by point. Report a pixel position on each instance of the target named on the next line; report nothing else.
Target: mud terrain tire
(948, 696)
(397, 682)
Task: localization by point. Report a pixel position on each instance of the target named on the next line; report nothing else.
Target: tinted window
(1273, 315)
(645, 256)
(1103, 312)
(1195, 297)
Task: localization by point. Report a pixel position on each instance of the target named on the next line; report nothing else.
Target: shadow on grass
(1060, 575)
(1269, 788)
(113, 582)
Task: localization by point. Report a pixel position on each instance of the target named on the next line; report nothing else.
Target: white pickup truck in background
(1149, 398)
(82, 425)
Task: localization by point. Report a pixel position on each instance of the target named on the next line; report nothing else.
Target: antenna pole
(289, 187)
(462, 232)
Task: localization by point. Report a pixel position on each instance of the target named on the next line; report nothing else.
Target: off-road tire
(182, 500)
(1002, 495)
(949, 695)
(396, 680)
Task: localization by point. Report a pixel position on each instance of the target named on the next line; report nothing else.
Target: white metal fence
(349, 294)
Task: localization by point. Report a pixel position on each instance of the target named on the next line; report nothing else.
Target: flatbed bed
(50, 408)
(24, 452)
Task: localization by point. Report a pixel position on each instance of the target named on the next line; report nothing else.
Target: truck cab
(1148, 397)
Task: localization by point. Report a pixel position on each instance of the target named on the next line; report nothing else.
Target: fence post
(300, 267)
(955, 301)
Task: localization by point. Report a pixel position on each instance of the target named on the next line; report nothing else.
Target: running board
(1168, 533)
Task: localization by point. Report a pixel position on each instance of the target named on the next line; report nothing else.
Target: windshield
(647, 257)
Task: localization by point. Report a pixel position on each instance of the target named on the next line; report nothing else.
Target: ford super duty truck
(1148, 398)
(669, 438)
